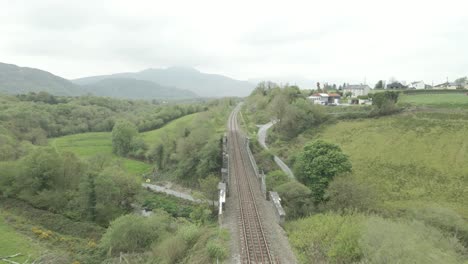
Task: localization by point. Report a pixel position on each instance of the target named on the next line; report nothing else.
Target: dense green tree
(317, 164)
(122, 136)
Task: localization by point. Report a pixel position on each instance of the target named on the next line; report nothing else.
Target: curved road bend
(262, 134)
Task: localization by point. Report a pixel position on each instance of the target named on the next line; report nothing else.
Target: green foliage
(296, 199)
(275, 179)
(216, 250)
(209, 188)
(443, 218)
(347, 194)
(387, 241)
(317, 164)
(384, 102)
(334, 238)
(176, 207)
(122, 137)
(133, 233)
(326, 238)
(115, 191)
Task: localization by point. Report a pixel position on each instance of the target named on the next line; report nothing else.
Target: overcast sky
(329, 40)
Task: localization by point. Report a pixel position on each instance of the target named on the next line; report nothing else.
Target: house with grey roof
(357, 89)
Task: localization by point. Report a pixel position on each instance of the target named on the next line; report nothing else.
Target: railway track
(253, 239)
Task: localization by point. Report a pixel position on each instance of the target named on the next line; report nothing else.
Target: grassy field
(411, 159)
(86, 145)
(154, 137)
(12, 242)
(437, 100)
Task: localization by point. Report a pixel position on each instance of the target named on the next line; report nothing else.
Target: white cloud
(319, 40)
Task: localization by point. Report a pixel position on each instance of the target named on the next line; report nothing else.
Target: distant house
(447, 85)
(419, 85)
(395, 85)
(319, 98)
(357, 90)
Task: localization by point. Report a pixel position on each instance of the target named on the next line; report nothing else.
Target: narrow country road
(262, 134)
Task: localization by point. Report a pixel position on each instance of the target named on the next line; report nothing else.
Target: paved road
(262, 134)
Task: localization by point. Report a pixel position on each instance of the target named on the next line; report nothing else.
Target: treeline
(32, 118)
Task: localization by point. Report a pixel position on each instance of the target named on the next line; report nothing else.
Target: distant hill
(18, 80)
(135, 89)
(205, 85)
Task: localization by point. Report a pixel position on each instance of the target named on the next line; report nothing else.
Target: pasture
(436, 100)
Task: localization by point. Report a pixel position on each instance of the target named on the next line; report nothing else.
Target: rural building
(357, 90)
(447, 85)
(319, 98)
(417, 85)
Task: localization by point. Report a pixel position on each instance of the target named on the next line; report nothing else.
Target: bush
(133, 233)
(216, 250)
(171, 250)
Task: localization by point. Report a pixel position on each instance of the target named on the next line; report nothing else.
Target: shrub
(171, 250)
(216, 250)
(133, 233)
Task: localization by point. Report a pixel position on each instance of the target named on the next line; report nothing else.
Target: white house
(417, 85)
(447, 85)
(357, 90)
(319, 98)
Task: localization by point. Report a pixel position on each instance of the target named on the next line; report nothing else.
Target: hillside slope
(136, 89)
(18, 80)
(206, 85)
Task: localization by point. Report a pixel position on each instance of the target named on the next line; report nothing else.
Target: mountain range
(203, 84)
(18, 80)
(169, 83)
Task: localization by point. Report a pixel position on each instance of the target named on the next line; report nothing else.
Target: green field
(12, 242)
(437, 100)
(154, 137)
(86, 145)
(410, 159)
